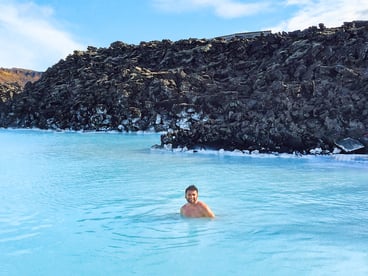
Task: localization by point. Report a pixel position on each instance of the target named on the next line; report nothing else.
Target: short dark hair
(191, 188)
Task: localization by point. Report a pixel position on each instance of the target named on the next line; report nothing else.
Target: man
(195, 208)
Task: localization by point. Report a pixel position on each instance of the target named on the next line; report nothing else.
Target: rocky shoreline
(282, 92)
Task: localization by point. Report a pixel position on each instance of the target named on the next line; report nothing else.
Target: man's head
(191, 194)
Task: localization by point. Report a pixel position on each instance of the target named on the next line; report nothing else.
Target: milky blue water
(106, 204)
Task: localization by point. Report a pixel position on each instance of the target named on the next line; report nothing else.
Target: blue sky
(35, 34)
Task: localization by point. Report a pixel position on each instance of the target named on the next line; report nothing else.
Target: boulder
(349, 144)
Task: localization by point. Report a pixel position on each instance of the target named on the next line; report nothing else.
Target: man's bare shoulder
(202, 204)
(185, 206)
(207, 210)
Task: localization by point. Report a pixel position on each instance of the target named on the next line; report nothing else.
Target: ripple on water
(18, 232)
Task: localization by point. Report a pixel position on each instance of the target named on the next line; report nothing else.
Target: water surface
(105, 203)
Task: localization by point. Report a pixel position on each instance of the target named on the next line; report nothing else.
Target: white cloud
(332, 13)
(298, 2)
(222, 8)
(30, 36)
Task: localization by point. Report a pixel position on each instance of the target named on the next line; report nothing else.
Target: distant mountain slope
(20, 76)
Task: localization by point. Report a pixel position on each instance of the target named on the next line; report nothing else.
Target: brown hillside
(20, 76)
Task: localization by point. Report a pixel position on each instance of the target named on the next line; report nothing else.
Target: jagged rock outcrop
(282, 92)
(8, 90)
(12, 82)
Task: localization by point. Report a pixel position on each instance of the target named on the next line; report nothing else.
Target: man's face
(191, 196)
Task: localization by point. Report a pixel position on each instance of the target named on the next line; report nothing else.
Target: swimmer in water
(195, 208)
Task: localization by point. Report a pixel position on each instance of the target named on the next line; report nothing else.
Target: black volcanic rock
(348, 144)
(281, 92)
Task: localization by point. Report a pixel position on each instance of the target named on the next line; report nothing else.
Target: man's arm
(207, 210)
